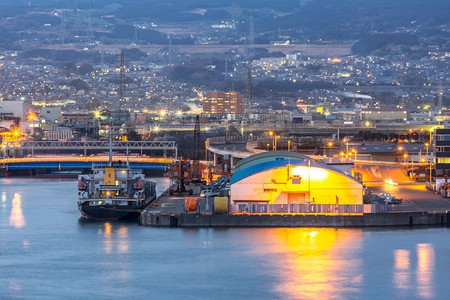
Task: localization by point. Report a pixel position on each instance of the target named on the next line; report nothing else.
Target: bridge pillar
(215, 159)
(231, 162)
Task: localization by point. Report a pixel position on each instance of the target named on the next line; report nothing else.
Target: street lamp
(405, 156)
(268, 146)
(346, 147)
(272, 133)
(329, 144)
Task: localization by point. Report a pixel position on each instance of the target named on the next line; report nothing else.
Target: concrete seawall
(365, 220)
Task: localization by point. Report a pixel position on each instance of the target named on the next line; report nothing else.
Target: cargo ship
(114, 192)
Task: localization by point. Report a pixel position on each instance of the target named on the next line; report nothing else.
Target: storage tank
(190, 204)
(221, 205)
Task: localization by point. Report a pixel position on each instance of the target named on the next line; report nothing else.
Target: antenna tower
(197, 137)
(248, 92)
(135, 38)
(89, 32)
(122, 82)
(441, 94)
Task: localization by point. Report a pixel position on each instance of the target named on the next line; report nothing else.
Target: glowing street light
(346, 147)
(329, 144)
(275, 136)
(31, 116)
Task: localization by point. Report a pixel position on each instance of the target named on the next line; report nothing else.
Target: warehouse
(281, 177)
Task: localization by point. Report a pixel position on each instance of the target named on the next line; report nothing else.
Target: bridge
(24, 148)
(31, 165)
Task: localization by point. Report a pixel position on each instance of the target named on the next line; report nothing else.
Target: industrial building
(281, 177)
(442, 144)
(224, 102)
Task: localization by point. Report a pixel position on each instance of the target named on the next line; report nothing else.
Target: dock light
(162, 113)
(16, 133)
(156, 129)
(271, 133)
(31, 116)
(400, 148)
(179, 113)
(96, 113)
(405, 155)
(330, 144)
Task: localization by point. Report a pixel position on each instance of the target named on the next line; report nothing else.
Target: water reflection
(119, 242)
(425, 271)
(318, 263)
(401, 269)
(3, 199)
(16, 218)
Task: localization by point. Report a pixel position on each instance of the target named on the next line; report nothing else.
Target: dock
(169, 211)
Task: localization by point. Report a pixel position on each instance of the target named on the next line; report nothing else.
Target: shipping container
(190, 204)
(221, 205)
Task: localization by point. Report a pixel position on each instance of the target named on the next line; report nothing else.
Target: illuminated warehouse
(281, 177)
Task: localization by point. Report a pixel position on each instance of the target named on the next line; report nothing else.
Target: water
(47, 252)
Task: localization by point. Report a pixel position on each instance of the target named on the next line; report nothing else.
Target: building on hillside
(224, 102)
(385, 114)
(281, 177)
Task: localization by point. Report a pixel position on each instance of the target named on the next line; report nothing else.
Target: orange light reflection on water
(108, 243)
(401, 270)
(317, 263)
(16, 218)
(115, 240)
(425, 271)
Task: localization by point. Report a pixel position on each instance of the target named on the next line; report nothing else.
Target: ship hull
(109, 214)
(112, 212)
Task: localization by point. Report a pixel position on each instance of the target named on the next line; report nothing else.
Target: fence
(308, 208)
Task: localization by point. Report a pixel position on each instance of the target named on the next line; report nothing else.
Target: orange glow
(330, 144)
(405, 155)
(16, 218)
(426, 144)
(425, 271)
(401, 269)
(16, 132)
(335, 60)
(31, 116)
(400, 148)
(107, 235)
(309, 265)
(271, 133)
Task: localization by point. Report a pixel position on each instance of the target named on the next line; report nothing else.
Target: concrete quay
(151, 218)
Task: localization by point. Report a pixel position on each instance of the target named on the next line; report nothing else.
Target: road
(415, 196)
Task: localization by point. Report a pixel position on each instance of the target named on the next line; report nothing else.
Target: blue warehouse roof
(275, 159)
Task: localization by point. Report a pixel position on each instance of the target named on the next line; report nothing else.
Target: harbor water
(48, 252)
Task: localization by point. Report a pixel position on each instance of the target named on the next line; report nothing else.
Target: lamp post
(329, 144)
(267, 147)
(346, 147)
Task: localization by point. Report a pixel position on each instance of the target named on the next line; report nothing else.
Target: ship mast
(110, 144)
